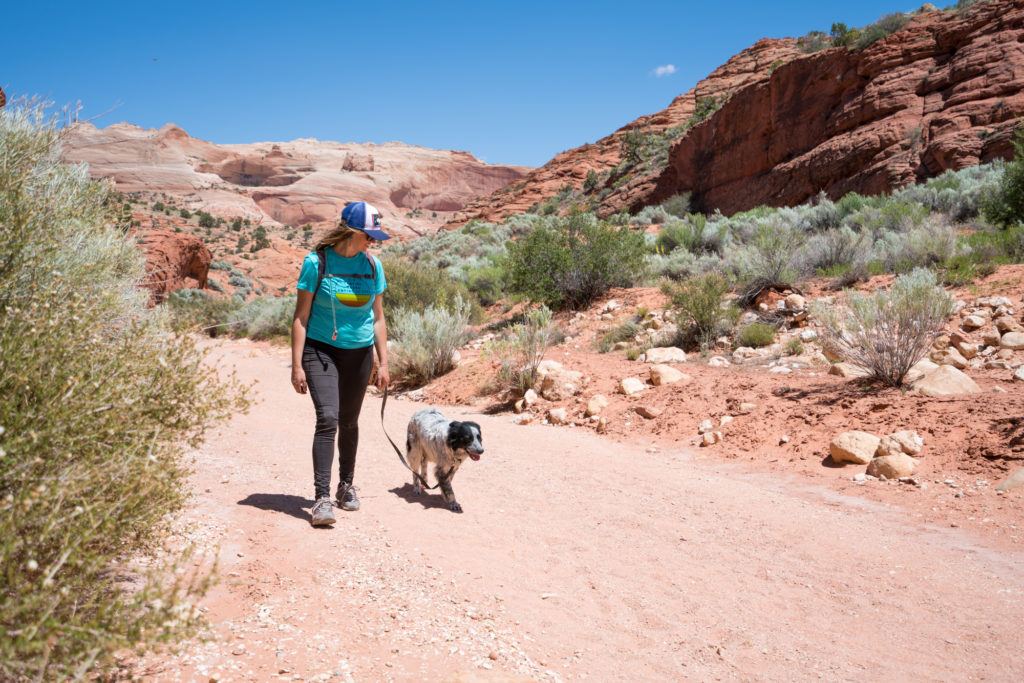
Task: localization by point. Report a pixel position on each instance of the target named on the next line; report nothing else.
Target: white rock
(612, 305)
(705, 427)
(953, 357)
(1012, 340)
(991, 338)
(919, 370)
(910, 442)
(808, 336)
(892, 466)
(747, 408)
(710, 438)
(557, 416)
(993, 301)
(854, 446)
(1018, 375)
(1007, 324)
(795, 302)
(718, 362)
(946, 381)
(848, 370)
(666, 374)
(529, 398)
(726, 419)
(631, 385)
(973, 322)
(968, 350)
(649, 412)
(524, 419)
(596, 404)
(780, 370)
(664, 354)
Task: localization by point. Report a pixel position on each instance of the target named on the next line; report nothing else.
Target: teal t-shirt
(345, 299)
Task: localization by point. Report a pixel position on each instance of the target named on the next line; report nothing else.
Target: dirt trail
(577, 558)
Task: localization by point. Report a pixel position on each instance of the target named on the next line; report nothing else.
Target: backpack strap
(321, 269)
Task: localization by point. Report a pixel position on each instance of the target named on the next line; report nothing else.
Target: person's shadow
(296, 506)
(426, 499)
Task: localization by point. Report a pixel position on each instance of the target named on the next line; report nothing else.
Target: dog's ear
(454, 432)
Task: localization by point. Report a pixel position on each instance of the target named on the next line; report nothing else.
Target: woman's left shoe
(347, 498)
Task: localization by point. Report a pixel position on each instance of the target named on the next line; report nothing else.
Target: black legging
(337, 380)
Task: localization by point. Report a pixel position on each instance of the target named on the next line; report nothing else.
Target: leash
(398, 451)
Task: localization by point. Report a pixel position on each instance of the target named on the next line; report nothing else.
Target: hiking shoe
(323, 512)
(347, 498)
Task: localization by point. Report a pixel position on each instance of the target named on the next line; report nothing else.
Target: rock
(558, 383)
(747, 408)
(848, 370)
(612, 305)
(718, 362)
(919, 370)
(705, 427)
(631, 385)
(968, 350)
(529, 398)
(795, 302)
(808, 336)
(743, 353)
(993, 301)
(1014, 481)
(620, 346)
(602, 425)
(973, 322)
(997, 364)
(780, 370)
(710, 438)
(910, 442)
(784, 439)
(663, 354)
(854, 446)
(1018, 375)
(946, 381)
(557, 416)
(1012, 340)
(519, 406)
(666, 374)
(649, 412)
(724, 420)
(173, 261)
(953, 357)
(596, 404)
(524, 419)
(991, 338)
(1007, 324)
(892, 466)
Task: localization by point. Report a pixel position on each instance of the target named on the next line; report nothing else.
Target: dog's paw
(454, 506)
(417, 491)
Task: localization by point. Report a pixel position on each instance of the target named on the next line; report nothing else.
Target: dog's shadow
(296, 506)
(426, 499)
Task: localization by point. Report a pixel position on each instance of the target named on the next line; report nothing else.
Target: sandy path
(577, 557)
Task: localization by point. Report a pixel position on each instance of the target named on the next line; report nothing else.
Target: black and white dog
(434, 438)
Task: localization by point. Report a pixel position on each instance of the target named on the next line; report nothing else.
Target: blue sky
(513, 82)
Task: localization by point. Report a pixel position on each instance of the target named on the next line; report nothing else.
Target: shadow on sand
(427, 500)
(296, 506)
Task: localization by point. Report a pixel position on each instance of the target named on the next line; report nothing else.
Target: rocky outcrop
(571, 167)
(174, 261)
(293, 183)
(942, 93)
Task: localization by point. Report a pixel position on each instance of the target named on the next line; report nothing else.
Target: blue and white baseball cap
(365, 218)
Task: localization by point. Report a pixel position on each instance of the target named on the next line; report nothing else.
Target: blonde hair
(338, 235)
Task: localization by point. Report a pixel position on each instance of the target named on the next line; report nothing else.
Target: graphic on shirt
(352, 299)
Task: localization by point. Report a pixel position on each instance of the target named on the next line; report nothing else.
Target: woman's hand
(383, 377)
(299, 379)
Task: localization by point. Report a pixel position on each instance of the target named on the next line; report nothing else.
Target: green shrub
(158, 206)
(888, 331)
(206, 220)
(520, 351)
(591, 181)
(677, 205)
(185, 213)
(756, 335)
(265, 317)
(1005, 205)
(885, 26)
(416, 287)
(488, 283)
(572, 260)
(772, 259)
(426, 340)
(624, 332)
(194, 310)
(794, 347)
(98, 403)
(699, 310)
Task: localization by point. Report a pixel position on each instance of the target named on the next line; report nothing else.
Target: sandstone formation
(173, 261)
(301, 182)
(942, 93)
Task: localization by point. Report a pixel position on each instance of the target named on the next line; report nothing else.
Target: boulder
(808, 336)
(973, 322)
(795, 302)
(557, 416)
(649, 412)
(946, 381)
(993, 301)
(968, 350)
(1007, 324)
(892, 466)
(954, 358)
(710, 438)
(1012, 340)
(919, 370)
(718, 362)
(991, 338)
(910, 442)
(1018, 375)
(631, 385)
(848, 370)
(705, 427)
(596, 404)
(1014, 481)
(529, 398)
(663, 354)
(854, 446)
(666, 374)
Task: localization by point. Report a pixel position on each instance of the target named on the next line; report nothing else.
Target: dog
(434, 438)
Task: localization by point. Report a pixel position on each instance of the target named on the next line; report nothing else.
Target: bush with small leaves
(417, 287)
(755, 335)
(699, 308)
(426, 340)
(1005, 205)
(887, 332)
(519, 352)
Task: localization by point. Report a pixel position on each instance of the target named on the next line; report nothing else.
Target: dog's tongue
(474, 457)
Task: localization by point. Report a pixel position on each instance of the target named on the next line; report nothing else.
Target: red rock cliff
(173, 261)
(945, 92)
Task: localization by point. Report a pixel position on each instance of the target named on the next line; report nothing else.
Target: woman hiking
(339, 319)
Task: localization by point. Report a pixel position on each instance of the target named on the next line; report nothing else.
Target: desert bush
(265, 317)
(675, 265)
(694, 234)
(1004, 205)
(771, 259)
(699, 311)
(677, 205)
(417, 287)
(927, 245)
(793, 347)
(488, 283)
(521, 349)
(572, 260)
(624, 332)
(888, 331)
(98, 402)
(426, 340)
(651, 215)
(885, 26)
(195, 310)
(839, 247)
(814, 41)
(206, 220)
(755, 335)
(958, 194)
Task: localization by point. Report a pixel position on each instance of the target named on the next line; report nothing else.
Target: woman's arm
(303, 304)
(380, 341)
